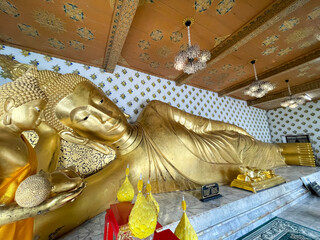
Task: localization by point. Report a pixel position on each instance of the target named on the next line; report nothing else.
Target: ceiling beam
(308, 57)
(124, 11)
(302, 88)
(269, 16)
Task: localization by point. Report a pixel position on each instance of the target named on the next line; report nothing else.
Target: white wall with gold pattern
(132, 90)
(305, 119)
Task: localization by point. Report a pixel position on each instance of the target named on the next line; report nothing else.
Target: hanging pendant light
(258, 88)
(292, 101)
(192, 59)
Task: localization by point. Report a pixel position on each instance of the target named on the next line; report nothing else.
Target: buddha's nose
(105, 116)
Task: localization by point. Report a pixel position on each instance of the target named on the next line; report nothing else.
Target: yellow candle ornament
(184, 230)
(151, 198)
(126, 191)
(143, 216)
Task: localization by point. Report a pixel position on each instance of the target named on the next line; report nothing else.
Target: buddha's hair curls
(57, 86)
(24, 89)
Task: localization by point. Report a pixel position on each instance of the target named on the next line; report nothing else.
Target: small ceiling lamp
(292, 101)
(258, 88)
(192, 59)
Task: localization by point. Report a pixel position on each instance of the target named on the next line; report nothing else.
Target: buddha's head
(78, 106)
(22, 102)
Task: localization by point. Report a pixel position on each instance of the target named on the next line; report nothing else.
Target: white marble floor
(306, 212)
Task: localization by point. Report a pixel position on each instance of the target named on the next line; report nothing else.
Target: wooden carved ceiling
(282, 35)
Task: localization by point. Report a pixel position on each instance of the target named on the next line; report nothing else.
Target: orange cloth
(22, 229)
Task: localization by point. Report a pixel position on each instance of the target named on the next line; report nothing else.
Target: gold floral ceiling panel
(75, 30)
(282, 35)
(287, 37)
(158, 32)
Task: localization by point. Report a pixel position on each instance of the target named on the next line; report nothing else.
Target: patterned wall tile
(305, 119)
(132, 91)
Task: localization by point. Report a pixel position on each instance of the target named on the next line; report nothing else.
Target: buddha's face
(28, 115)
(91, 114)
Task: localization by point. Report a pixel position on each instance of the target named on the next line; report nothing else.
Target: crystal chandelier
(192, 59)
(292, 101)
(258, 88)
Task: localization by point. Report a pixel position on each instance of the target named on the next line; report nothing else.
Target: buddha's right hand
(60, 199)
(65, 180)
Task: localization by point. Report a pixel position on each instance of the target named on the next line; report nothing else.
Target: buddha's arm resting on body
(47, 148)
(12, 212)
(191, 122)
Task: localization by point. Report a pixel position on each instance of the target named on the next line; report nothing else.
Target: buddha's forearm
(47, 148)
(13, 212)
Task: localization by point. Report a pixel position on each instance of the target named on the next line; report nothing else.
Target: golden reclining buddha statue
(172, 148)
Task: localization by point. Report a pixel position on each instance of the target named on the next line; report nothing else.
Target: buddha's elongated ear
(8, 104)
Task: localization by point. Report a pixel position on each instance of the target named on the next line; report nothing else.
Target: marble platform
(229, 217)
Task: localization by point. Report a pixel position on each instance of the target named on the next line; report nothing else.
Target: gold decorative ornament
(254, 179)
(191, 19)
(184, 230)
(9, 8)
(143, 216)
(33, 190)
(84, 159)
(49, 21)
(126, 191)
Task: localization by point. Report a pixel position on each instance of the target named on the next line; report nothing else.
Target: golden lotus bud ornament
(126, 191)
(143, 216)
(184, 230)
